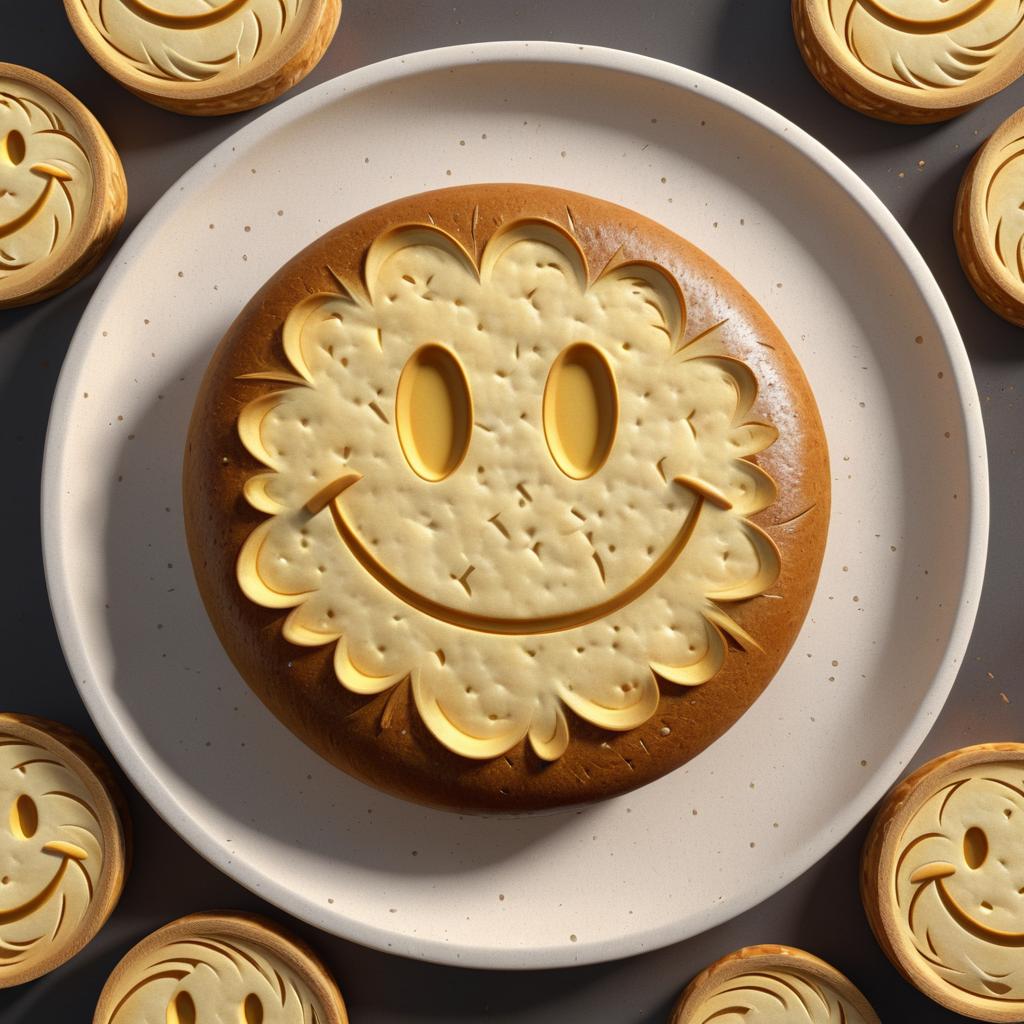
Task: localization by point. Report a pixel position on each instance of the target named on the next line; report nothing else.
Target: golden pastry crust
(65, 824)
(59, 142)
(948, 834)
(200, 83)
(915, 63)
(252, 969)
(987, 227)
(382, 739)
(786, 986)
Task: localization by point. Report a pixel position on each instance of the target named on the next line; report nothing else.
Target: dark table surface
(749, 45)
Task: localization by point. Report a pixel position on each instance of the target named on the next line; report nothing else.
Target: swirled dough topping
(52, 852)
(209, 976)
(46, 179)
(773, 996)
(507, 484)
(959, 882)
(194, 40)
(1004, 216)
(921, 45)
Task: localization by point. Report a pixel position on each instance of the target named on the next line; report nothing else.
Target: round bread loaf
(772, 985)
(503, 497)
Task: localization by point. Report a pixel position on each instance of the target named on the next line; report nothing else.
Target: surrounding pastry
(911, 61)
(62, 188)
(201, 57)
(942, 880)
(989, 229)
(220, 967)
(63, 846)
(503, 497)
(772, 985)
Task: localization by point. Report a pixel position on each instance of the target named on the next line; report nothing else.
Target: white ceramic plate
(850, 706)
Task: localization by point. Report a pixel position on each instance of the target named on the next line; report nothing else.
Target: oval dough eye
(24, 817)
(181, 1009)
(433, 412)
(252, 1009)
(581, 410)
(975, 848)
(14, 147)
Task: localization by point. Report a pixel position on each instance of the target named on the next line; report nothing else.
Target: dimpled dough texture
(46, 180)
(51, 854)
(210, 978)
(191, 40)
(930, 44)
(531, 573)
(960, 882)
(773, 996)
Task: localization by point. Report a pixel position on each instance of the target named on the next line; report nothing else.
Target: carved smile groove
(506, 626)
(46, 893)
(29, 215)
(184, 21)
(937, 877)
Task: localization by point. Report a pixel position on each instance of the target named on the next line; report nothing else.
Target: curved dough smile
(509, 626)
(17, 223)
(68, 854)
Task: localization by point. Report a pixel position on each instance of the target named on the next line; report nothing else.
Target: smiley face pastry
(62, 189)
(220, 967)
(63, 846)
(484, 500)
(911, 61)
(943, 880)
(205, 57)
(989, 227)
(772, 985)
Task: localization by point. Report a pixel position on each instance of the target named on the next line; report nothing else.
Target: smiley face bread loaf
(911, 61)
(942, 879)
(62, 188)
(63, 846)
(772, 985)
(503, 497)
(989, 225)
(202, 58)
(220, 967)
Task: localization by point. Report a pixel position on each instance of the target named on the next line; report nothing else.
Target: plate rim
(164, 800)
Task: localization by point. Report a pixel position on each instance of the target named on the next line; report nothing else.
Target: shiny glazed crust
(114, 823)
(852, 85)
(382, 740)
(760, 959)
(257, 86)
(878, 864)
(103, 218)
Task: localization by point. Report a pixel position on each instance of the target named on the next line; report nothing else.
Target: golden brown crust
(989, 278)
(299, 684)
(853, 85)
(102, 220)
(762, 958)
(258, 85)
(251, 929)
(111, 808)
(881, 853)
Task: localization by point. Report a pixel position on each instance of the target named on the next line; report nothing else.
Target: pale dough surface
(46, 179)
(960, 881)
(1004, 196)
(508, 536)
(212, 978)
(194, 40)
(774, 996)
(51, 852)
(929, 44)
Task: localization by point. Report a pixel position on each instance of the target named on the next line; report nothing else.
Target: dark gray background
(746, 43)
